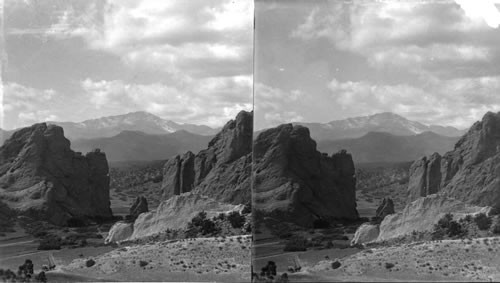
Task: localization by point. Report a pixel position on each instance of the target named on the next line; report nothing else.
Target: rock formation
(470, 172)
(174, 213)
(41, 177)
(296, 183)
(140, 205)
(422, 214)
(385, 208)
(365, 233)
(222, 171)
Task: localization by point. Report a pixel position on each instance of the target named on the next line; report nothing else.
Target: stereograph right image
(376, 141)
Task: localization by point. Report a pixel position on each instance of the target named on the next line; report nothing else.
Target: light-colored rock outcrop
(366, 233)
(174, 213)
(422, 214)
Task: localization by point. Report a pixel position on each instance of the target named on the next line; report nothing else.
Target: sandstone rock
(425, 177)
(41, 177)
(423, 213)
(365, 233)
(173, 213)
(119, 231)
(140, 205)
(296, 183)
(385, 208)
(470, 172)
(222, 171)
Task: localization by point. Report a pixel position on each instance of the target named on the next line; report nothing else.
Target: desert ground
(221, 259)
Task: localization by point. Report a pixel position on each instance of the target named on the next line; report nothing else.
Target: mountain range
(113, 125)
(136, 145)
(387, 122)
(386, 147)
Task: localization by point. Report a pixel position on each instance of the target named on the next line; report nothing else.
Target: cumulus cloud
(455, 102)
(422, 35)
(170, 36)
(22, 106)
(209, 101)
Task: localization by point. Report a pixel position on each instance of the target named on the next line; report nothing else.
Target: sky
(436, 62)
(72, 60)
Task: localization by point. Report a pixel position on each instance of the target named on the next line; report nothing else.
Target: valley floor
(218, 259)
(446, 260)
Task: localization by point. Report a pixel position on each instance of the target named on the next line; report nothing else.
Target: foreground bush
(482, 221)
(296, 244)
(236, 219)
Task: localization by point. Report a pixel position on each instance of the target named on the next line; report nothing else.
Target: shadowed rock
(41, 177)
(222, 171)
(140, 205)
(296, 183)
(470, 172)
(385, 208)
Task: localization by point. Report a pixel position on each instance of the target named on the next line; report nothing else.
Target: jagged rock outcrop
(385, 208)
(366, 233)
(222, 171)
(41, 177)
(470, 172)
(174, 213)
(423, 213)
(140, 206)
(296, 183)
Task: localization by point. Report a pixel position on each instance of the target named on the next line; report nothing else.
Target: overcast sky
(66, 60)
(437, 62)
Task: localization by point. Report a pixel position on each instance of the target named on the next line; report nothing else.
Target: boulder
(294, 182)
(42, 178)
(140, 205)
(120, 231)
(385, 208)
(221, 171)
(366, 233)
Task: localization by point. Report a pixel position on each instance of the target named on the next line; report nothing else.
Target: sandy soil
(447, 260)
(202, 259)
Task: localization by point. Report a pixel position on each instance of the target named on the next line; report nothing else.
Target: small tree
(482, 221)
(236, 219)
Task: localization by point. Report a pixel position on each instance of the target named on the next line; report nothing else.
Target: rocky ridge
(470, 172)
(41, 177)
(296, 183)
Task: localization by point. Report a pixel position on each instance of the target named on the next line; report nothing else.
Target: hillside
(134, 145)
(386, 147)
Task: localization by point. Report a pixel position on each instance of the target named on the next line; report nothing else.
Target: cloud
(170, 36)
(22, 106)
(455, 102)
(275, 106)
(209, 101)
(485, 10)
(426, 36)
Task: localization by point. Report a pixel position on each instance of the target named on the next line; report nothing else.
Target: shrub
(389, 265)
(90, 263)
(236, 219)
(336, 264)
(296, 244)
(201, 225)
(495, 227)
(482, 221)
(143, 263)
(50, 243)
(247, 208)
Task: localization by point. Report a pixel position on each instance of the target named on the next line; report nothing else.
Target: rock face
(41, 177)
(174, 213)
(296, 183)
(140, 205)
(470, 172)
(366, 233)
(422, 214)
(385, 208)
(222, 171)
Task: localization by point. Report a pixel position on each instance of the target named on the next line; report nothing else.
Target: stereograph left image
(127, 136)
